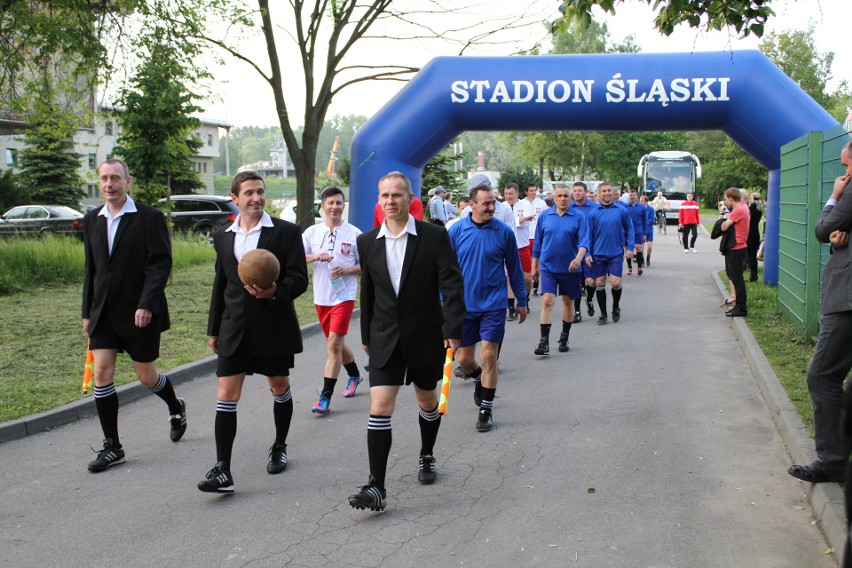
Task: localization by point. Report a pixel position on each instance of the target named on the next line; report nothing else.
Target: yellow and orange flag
(445, 384)
(89, 370)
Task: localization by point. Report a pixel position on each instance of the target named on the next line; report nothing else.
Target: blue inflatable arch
(741, 93)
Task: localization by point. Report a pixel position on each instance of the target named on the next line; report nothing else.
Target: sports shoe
(107, 457)
(427, 473)
(485, 421)
(477, 393)
(630, 272)
(602, 319)
(321, 406)
(511, 315)
(178, 422)
(647, 262)
(616, 314)
(370, 497)
(685, 251)
(277, 458)
(219, 480)
(563, 342)
(590, 308)
(352, 386)
(543, 347)
(578, 317)
(693, 250)
(639, 272)
(535, 292)
(459, 372)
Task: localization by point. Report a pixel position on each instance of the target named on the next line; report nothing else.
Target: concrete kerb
(85, 408)
(826, 498)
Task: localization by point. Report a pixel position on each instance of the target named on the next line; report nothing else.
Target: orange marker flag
(445, 384)
(89, 370)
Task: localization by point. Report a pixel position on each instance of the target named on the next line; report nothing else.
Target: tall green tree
(796, 54)
(157, 129)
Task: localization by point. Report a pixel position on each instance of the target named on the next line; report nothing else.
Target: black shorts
(241, 361)
(145, 349)
(397, 373)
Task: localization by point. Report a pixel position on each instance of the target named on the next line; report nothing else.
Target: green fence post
(812, 264)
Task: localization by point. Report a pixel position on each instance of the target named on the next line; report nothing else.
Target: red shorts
(336, 318)
(526, 258)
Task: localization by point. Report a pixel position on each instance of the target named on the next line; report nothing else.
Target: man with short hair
(437, 209)
(463, 204)
(688, 218)
(484, 247)
(253, 329)
(612, 239)
(735, 257)
(650, 220)
(639, 219)
(660, 205)
(405, 328)
(561, 243)
(128, 259)
(523, 214)
(583, 204)
(538, 205)
(331, 246)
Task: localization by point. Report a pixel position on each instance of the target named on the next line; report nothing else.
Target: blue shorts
(484, 326)
(566, 283)
(649, 237)
(603, 265)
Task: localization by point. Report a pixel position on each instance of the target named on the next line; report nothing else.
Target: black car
(201, 214)
(42, 220)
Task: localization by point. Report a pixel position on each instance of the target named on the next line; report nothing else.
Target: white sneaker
(685, 251)
(693, 250)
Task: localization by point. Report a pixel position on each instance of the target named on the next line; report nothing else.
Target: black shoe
(737, 313)
(602, 319)
(277, 458)
(616, 314)
(107, 457)
(370, 497)
(427, 473)
(535, 292)
(578, 317)
(178, 422)
(543, 347)
(477, 393)
(813, 473)
(485, 421)
(590, 308)
(219, 480)
(563, 343)
(511, 316)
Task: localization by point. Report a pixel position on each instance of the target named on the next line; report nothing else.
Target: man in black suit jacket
(252, 329)
(128, 261)
(405, 266)
(832, 358)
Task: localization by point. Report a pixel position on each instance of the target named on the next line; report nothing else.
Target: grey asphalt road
(647, 445)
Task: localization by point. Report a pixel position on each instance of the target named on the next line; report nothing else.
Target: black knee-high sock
(487, 399)
(545, 331)
(600, 293)
(640, 260)
(282, 412)
(430, 422)
(328, 387)
(629, 264)
(590, 292)
(379, 438)
(566, 328)
(616, 297)
(511, 303)
(166, 391)
(352, 368)
(225, 429)
(106, 402)
(576, 305)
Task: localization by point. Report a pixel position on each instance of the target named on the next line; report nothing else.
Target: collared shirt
(437, 209)
(395, 249)
(520, 209)
(558, 239)
(112, 222)
(245, 241)
(340, 241)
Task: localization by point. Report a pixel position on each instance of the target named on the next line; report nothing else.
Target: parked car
(201, 214)
(288, 213)
(42, 220)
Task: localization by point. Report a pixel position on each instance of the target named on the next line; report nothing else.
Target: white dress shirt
(395, 249)
(245, 241)
(112, 222)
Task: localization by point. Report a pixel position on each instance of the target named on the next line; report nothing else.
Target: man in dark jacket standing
(128, 262)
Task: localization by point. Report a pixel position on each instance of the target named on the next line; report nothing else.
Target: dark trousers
(829, 366)
(687, 229)
(752, 260)
(734, 267)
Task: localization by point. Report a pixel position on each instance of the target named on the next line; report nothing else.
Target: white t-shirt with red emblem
(339, 241)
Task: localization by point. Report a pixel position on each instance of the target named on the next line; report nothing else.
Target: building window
(92, 190)
(11, 157)
(209, 139)
(92, 161)
(204, 167)
(108, 128)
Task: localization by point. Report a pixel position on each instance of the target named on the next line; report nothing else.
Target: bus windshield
(670, 177)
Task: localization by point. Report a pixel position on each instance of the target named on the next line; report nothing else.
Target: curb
(826, 499)
(85, 408)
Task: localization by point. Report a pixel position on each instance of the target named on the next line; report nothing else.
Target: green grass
(43, 347)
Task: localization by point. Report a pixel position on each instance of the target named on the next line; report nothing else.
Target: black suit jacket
(415, 319)
(837, 275)
(135, 274)
(270, 327)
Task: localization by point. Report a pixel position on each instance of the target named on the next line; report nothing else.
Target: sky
(246, 100)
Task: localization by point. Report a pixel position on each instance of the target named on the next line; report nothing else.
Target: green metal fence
(809, 166)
